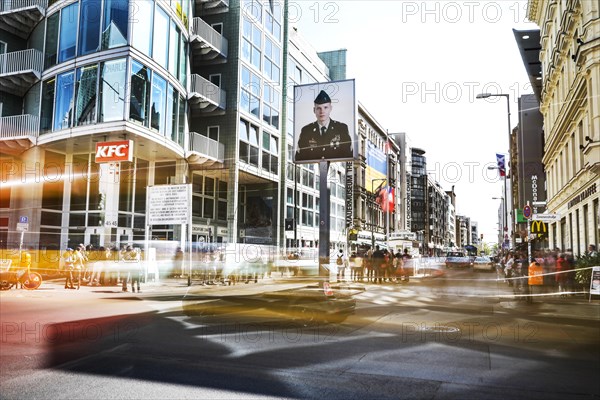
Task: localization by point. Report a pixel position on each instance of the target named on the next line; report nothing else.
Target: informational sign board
(595, 281)
(169, 204)
(546, 217)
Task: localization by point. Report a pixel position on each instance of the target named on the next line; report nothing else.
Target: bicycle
(28, 280)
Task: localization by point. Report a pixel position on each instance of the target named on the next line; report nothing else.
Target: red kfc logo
(114, 151)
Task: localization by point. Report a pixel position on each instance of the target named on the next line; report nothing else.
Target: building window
(249, 95)
(161, 37)
(181, 125)
(158, 103)
(272, 26)
(213, 133)
(47, 109)
(140, 93)
(248, 143)
(174, 52)
(51, 40)
(171, 115)
(86, 92)
(112, 90)
(68, 32)
(271, 106)
(143, 16)
(114, 29)
(63, 111)
(251, 43)
(272, 60)
(89, 27)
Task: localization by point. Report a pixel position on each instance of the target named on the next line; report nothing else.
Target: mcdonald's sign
(540, 228)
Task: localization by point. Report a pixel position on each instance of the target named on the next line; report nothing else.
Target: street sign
(546, 217)
(23, 219)
(527, 212)
(22, 226)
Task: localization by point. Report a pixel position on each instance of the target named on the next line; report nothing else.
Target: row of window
(250, 96)
(101, 25)
(265, 58)
(89, 26)
(270, 15)
(251, 149)
(96, 93)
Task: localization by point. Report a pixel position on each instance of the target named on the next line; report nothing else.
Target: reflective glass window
(170, 133)
(114, 28)
(112, 90)
(85, 103)
(63, 110)
(89, 26)
(161, 37)
(175, 40)
(51, 40)
(140, 93)
(143, 14)
(158, 103)
(47, 109)
(182, 62)
(68, 32)
(181, 124)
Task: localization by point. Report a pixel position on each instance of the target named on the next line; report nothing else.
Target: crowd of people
(375, 265)
(87, 265)
(557, 267)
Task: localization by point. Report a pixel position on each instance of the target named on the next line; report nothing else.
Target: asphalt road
(461, 336)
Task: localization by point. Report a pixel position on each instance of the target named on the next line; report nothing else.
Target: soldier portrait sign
(325, 122)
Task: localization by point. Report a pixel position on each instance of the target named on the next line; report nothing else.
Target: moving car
(305, 305)
(484, 263)
(457, 259)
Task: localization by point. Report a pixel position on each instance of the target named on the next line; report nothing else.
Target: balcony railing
(21, 61)
(12, 5)
(204, 150)
(19, 70)
(206, 95)
(21, 16)
(19, 126)
(207, 43)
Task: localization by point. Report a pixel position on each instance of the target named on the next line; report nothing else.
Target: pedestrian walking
(69, 266)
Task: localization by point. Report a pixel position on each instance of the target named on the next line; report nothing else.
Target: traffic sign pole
(528, 230)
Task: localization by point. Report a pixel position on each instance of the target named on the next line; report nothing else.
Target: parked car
(458, 259)
(484, 263)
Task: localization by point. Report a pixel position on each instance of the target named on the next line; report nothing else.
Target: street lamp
(507, 96)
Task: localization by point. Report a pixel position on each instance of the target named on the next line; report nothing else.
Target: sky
(418, 66)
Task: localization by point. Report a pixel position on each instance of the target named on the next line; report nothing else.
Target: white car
(484, 263)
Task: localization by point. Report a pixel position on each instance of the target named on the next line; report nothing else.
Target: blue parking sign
(23, 219)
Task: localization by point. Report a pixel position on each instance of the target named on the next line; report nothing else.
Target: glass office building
(195, 85)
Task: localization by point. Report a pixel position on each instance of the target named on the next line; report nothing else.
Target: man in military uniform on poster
(325, 138)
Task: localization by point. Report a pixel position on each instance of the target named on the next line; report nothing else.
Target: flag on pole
(501, 164)
(390, 199)
(385, 198)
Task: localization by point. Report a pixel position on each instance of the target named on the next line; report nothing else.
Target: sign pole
(528, 238)
(324, 223)
(189, 232)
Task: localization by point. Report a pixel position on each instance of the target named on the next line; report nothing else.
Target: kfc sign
(114, 151)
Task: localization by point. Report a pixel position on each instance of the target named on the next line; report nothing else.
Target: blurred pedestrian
(69, 266)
